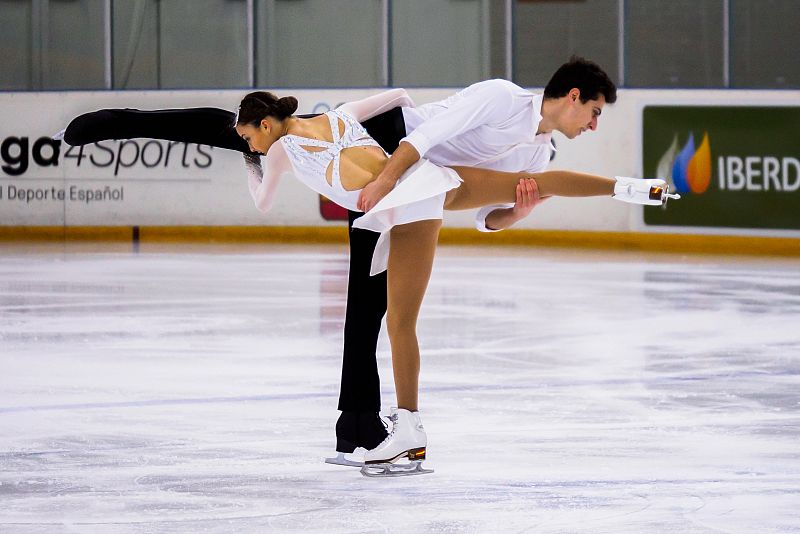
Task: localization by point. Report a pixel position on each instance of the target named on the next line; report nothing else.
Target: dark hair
(587, 76)
(260, 104)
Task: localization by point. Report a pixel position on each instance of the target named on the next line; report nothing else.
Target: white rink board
(150, 183)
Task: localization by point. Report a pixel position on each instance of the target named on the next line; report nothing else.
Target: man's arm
(496, 218)
(493, 219)
(402, 158)
(484, 103)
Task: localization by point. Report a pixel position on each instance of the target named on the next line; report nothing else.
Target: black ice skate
(354, 430)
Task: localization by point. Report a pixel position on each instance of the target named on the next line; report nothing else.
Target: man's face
(581, 116)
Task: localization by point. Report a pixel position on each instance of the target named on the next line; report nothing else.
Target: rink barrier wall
(633, 241)
(148, 184)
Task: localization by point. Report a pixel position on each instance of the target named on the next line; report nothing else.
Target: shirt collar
(546, 138)
(536, 102)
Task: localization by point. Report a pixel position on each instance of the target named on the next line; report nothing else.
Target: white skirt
(418, 196)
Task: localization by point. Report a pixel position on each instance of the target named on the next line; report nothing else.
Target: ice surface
(193, 389)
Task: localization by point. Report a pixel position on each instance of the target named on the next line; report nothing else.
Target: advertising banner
(736, 167)
(148, 182)
(44, 181)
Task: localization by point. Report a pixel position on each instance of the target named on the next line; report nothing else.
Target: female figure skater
(333, 155)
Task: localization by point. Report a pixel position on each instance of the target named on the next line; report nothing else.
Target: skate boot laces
(393, 419)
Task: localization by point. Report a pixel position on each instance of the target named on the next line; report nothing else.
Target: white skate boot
(406, 440)
(651, 191)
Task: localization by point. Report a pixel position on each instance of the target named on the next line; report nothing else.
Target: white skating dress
(418, 195)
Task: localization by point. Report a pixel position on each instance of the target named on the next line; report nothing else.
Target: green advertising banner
(733, 166)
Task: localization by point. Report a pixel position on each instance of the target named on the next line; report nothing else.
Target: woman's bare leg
(411, 251)
(482, 187)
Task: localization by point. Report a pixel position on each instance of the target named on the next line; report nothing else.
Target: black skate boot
(357, 429)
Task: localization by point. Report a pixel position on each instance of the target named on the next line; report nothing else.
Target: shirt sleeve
(367, 108)
(480, 217)
(490, 102)
(263, 180)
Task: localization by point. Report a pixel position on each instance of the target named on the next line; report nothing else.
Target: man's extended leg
(205, 126)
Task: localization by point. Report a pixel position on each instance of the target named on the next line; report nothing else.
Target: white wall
(212, 190)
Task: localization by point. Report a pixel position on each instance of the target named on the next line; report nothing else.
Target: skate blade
(666, 195)
(394, 470)
(344, 459)
(349, 459)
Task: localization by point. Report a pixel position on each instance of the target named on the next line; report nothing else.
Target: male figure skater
(492, 124)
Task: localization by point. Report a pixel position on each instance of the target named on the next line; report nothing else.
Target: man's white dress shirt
(490, 124)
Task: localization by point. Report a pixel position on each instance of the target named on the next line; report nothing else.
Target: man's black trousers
(366, 295)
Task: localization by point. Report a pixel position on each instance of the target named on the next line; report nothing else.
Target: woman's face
(257, 137)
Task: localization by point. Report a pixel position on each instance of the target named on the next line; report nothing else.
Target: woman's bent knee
(401, 324)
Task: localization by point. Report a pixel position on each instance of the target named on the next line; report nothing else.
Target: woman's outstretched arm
(264, 175)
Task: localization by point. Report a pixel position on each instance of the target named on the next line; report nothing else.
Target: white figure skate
(406, 440)
(650, 191)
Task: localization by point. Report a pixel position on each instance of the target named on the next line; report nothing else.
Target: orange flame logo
(687, 169)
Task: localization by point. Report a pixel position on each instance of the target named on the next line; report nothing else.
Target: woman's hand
(373, 192)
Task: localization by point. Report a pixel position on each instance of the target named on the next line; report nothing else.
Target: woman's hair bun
(260, 104)
(288, 105)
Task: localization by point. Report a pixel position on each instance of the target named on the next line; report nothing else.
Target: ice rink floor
(194, 389)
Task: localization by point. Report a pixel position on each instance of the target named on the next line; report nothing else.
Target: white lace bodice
(418, 195)
(313, 164)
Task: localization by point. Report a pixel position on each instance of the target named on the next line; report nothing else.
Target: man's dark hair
(587, 76)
